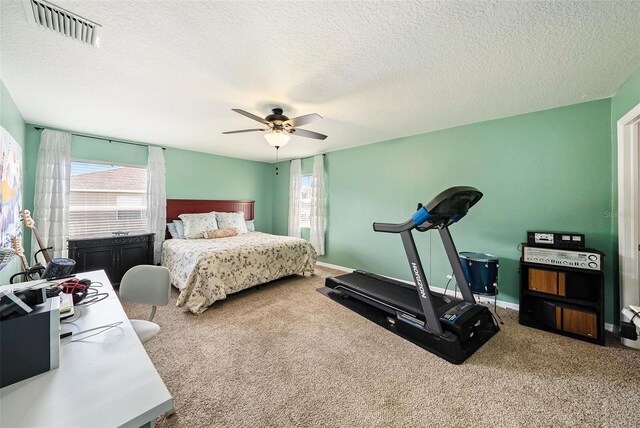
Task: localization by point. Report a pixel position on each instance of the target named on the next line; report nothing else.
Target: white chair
(146, 284)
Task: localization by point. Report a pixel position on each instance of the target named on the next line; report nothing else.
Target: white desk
(106, 380)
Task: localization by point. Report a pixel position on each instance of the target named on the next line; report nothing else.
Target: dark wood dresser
(114, 254)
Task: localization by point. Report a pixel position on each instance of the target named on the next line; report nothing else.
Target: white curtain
(316, 235)
(51, 199)
(156, 199)
(294, 198)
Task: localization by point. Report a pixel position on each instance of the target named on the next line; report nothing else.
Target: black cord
(95, 298)
(446, 287)
(25, 273)
(42, 250)
(28, 274)
(92, 291)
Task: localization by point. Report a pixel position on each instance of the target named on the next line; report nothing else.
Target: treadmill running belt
(395, 295)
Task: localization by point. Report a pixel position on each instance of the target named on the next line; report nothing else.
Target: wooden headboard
(175, 207)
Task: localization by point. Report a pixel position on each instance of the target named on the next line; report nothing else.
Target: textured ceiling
(169, 72)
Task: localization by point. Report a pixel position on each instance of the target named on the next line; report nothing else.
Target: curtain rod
(308, 157)
(39, 128)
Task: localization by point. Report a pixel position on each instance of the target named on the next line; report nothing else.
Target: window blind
(106, 199)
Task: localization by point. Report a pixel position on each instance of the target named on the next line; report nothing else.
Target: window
(106, 199)
(306, 182)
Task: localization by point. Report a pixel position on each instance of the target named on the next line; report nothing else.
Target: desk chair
(146, 284)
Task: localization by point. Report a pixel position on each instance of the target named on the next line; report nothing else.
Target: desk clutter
(97, 352)
(30, 324)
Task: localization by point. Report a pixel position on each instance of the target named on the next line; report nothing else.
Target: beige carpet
(285, 355)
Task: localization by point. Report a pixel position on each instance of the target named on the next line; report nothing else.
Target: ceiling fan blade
(250, 115)
(244, 130)
(302, 120)
(308, 134)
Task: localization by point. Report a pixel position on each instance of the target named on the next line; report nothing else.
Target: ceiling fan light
(277, 138)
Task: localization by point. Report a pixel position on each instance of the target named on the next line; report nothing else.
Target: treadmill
(448, 327)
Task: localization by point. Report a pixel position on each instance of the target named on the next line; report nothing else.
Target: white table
(106, 380)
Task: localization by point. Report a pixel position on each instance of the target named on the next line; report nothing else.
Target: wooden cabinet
(114, 254)
(544, 281)
(584, 323)
(563, 300)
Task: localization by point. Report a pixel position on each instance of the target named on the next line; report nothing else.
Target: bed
(207, 270)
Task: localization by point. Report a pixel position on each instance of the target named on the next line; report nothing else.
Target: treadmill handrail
(393, 227)
(429, 216)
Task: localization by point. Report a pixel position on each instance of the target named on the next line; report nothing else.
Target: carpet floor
(285, 355)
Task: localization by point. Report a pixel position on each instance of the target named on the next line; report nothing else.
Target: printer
(29, 334)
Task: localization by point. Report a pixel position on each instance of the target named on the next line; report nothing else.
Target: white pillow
(179, 228)
(196, 224)
(172, 230)
(251, 227)
(232, 221)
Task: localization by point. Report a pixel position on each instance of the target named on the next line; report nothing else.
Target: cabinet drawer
(545, 281)
(580, 322)
(133, 255)
(95, 259)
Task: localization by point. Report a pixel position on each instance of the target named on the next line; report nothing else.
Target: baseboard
(336, 267)
(502, 304)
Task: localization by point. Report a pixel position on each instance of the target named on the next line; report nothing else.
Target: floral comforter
(206, 270)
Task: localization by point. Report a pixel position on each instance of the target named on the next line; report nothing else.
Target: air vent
(62, 21)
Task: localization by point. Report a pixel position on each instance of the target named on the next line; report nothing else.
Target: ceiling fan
(280, 127)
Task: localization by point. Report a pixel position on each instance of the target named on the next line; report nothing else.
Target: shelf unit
(563, 300)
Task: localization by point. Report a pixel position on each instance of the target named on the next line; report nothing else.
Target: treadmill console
(452, 204)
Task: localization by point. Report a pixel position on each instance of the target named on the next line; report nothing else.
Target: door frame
(628, 210)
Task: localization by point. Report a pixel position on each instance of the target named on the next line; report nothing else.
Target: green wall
(190, 175)
(11, 120)
(549, 170)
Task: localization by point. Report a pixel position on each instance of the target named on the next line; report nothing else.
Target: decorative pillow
(179, 228)
(232, 221)
(172, 230)
(220, 233)
(196, 224)
(250, 226)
